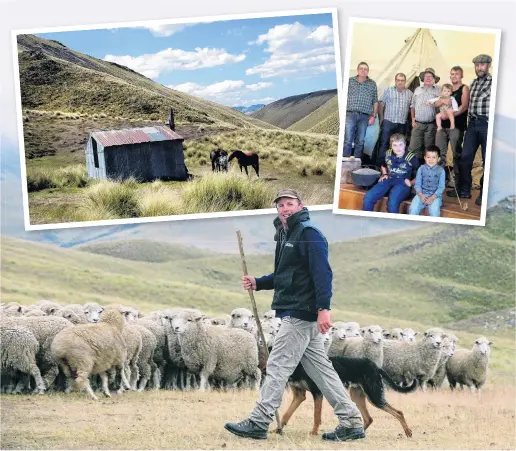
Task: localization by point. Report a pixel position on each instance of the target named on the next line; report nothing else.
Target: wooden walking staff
(279, 430)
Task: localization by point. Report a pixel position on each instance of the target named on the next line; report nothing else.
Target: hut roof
(109, 138)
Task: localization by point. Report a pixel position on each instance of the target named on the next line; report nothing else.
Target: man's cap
(287, 192)
(429, 70)
(481, 59)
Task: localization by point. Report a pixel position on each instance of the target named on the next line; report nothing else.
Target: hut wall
(146, 161)
(96, 165)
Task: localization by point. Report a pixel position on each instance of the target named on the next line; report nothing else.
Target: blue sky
(233, 62)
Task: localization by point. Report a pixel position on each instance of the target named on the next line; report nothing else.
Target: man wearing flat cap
(302, 284)
(423, 115)
(476, 132)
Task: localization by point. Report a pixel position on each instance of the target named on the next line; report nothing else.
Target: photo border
(202, 19)
(342, 115)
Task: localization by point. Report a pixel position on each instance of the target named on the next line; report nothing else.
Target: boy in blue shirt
(430, 183)
(397, 179)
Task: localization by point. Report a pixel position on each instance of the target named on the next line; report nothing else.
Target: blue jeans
(355, 131)
(388, 129)
(434, 209)
(397, 190)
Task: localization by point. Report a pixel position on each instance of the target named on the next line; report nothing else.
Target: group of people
(453, 113)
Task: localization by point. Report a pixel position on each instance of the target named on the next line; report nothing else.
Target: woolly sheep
(49, 307)
(44, 328)
(370, 345)
(34, 312)
(92, 311)
(226, 354)
(242, 318)
(72, 314)
(344, 330)
(18, 353)
(94, 348)
(469, 367)
(13, 309)
(133, 344)
(271, 314)
(393, 334)
(404, 361)
(448, 347)
(146, 367)
(409, 334)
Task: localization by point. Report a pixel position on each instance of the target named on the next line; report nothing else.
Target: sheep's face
(269, 333)
(242, 319)
(180, 323)
(339, 332)
(130, 315)
(448, 347)
(483, 346)
(408, 335)
(71, 316)
(434, 337)
(92, 313)
(271, 314)
(327, 339)
(374, 333)
(218, 322)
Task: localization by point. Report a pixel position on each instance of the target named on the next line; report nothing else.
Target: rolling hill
(442, 275)
(54, 77)
(324, 119)
(285, 112)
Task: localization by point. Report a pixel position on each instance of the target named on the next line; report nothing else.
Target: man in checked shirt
(423, 115)
(476, 133)
(361, 109)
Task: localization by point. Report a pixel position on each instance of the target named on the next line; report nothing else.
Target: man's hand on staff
(248, 283)
(324, 321)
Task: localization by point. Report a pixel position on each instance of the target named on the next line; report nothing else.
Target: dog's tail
(395, 386)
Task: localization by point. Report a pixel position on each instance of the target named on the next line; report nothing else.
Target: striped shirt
(480, 96)
(424, 112)
(396, 104)
(361, 96)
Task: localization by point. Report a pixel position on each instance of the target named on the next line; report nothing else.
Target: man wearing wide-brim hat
(423, 115)
(476, 132)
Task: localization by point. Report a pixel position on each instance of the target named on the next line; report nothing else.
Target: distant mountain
(324, 119)
(285, 112)
(249, 109)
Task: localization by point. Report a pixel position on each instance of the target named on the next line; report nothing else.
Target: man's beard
(481, 73)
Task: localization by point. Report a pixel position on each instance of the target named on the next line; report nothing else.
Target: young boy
(430, 183)
(398, 176)
(445, 110)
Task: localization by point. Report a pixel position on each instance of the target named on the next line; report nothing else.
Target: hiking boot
(342, 434)
(247, 429)
(462, 194)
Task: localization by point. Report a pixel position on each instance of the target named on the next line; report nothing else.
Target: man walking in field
(302, 283)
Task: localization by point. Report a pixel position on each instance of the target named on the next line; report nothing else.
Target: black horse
(246, 159)
(219, 160)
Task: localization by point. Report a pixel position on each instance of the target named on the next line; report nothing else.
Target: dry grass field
(193, 420)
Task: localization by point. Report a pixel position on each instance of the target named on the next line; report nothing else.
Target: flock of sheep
(52, 347)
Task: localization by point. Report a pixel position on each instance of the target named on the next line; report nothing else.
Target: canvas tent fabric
(420, 51)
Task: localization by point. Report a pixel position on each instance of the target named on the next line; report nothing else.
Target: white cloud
(228, 92)
(164, 30)
(153, 64)
(258, 86)
(296, 50)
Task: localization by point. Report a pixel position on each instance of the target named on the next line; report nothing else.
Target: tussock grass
(68, 176)
(109, 200)
(158, 200)
(226, 192)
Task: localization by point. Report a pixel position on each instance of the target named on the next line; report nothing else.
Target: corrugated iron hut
(147, 153)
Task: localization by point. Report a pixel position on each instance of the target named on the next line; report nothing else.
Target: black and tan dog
(366, 381)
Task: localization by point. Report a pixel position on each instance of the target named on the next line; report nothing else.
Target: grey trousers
(421, 137)
(297, 342)
(454, 137)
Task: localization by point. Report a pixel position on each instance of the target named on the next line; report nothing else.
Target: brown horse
(246, 159)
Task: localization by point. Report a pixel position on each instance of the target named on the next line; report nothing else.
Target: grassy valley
(450, 276)
(67, 94)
